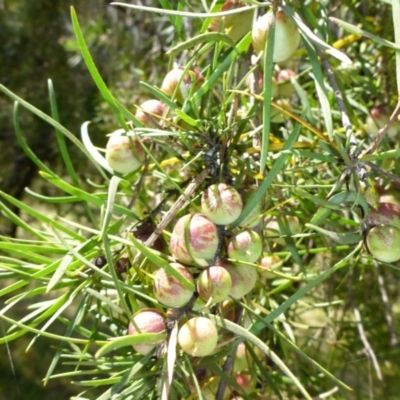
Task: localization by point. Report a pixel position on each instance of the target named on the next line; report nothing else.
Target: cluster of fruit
(196, 243)
(201, 243)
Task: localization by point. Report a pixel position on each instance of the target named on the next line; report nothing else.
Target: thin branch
(394, 340)
(383, 131)
(340, 103)
(367, 346)
(182, 202)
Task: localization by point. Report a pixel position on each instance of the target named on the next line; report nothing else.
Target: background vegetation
(347, 323)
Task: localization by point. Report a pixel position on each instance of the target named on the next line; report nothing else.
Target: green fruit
(287, 36)
(221, 203)
(148, 321)
(383, 242)
(168, 290)
(124, 154)
(385, 214)
(245, 246)
(198, 337)
(214, 284)
(194, 240)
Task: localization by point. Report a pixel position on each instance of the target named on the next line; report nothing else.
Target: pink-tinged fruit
(124, 154)
(187, 83)
(221, 203)
(168, 290)
(244, 278)
(149, 111)
(214, 284)
(148, 321)
(385, 214)
(285, 86)
(287, 36)
(268, 264)
(383, 242)
(378, 118)
(245, 246)
(198, 337)
(194, 240)
(234, 25)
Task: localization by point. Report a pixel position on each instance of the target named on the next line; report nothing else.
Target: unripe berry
(285, 86)
(378, 118)
(235, 25)
(244, 278)
(245, 246)
(287, 36)
(148, 321)
(168, 290)
(269, 264)
(148, 112)
(194, 240)
(383, 242)
(385, 214)
(214, 284)
(124, 154)
(221, 203)
(198, 337)
(188, 82)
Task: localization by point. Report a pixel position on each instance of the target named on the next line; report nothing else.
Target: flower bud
(234, 25)
(148, 321)
(244, 278)
(188, 82)
(148, 112)
(168, 290)
(242, 358)
(378, 118)
(124, 154)
(246, 382)
(221, 203)
(214, 284)
(245, 246)
(194, 240)
(269, 264)
(383, 242)
(386, 214)
(287, 36)
(198, 337)
(285, 86)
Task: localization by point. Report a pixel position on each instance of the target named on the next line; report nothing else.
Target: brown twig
(367, 347)
(182, 201)
(383, 131)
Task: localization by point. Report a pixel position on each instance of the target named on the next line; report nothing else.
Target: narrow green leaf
(139, 338)
(341, 238)
(98, 80)
(362, 32)
(200, 39)
(159, 261)
(267, 94)
(85, 196)
(112, 191)
(396, 27)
